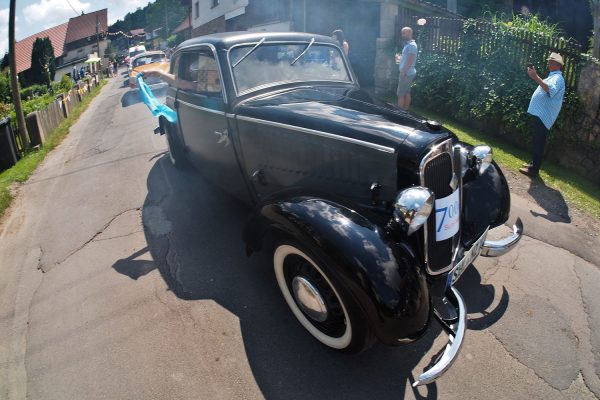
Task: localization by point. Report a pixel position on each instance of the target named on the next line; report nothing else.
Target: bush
(37, 103)
(33, 91)
(486, 86)
(6, 110)
(64, 85)
(5, 89)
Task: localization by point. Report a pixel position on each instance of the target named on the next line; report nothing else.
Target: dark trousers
(540, 134)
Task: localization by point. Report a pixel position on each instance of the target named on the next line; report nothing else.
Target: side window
(208, 74)
(175, 65)
(198, 72)
(188, 68)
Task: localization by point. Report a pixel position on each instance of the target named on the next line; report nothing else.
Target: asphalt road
(123, 278)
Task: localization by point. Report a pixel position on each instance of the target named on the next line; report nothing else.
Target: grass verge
(21, 171)
(580, 192)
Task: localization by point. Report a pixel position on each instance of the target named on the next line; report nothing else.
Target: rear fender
(384, 277)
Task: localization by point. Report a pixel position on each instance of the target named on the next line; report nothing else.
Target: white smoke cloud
(118, 8)
(50, 13)
(3, 31)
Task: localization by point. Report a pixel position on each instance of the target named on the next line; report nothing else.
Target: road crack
(519, 362)
(588, 343)
(98, 233)
(119, 236)
(40, 264)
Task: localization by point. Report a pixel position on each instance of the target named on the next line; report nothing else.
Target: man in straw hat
(543, 109)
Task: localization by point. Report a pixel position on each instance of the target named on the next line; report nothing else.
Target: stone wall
(577, 145)
(214, 26)
(386, 76)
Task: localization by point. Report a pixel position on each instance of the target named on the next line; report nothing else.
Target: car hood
(164, 66)
(349, 112)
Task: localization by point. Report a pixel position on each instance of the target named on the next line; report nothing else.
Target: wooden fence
(41, 123)
(444, 36)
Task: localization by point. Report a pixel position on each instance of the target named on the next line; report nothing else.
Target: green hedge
(486, 86)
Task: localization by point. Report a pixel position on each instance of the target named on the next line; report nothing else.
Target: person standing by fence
(338, 35)
(406, 68)
(544, 107)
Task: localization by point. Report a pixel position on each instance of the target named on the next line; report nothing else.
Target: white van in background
(134, 51)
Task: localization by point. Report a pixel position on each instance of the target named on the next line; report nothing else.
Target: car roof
(148, 53)
(228, 39)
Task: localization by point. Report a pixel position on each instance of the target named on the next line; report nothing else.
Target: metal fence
(444, 36)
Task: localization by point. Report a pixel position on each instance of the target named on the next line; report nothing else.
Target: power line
(73, 8)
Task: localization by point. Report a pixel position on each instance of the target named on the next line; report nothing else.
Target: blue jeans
(540, 134)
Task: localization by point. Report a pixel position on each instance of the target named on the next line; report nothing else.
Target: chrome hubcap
(309, 299)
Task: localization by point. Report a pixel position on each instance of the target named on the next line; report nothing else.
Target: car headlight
(483, 157)
(465, 160)
(412, 208)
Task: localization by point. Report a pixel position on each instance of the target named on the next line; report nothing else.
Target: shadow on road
(132, 97)
(479, 299)
(551, 200)
(193, 233)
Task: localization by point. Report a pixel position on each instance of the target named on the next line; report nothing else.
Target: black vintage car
(371, 213)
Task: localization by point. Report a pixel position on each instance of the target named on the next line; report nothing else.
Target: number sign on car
(447, 216)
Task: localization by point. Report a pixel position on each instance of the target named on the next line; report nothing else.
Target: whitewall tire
(323, 309)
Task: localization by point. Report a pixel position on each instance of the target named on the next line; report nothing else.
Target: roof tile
(85, 25)
(23, 47)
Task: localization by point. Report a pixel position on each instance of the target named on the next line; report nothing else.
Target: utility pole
(166, 20)
(14, 79)
(98, 45)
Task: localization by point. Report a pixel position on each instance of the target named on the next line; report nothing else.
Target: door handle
(259, 176)
(223, 137)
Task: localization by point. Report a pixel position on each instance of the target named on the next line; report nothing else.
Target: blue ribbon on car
(157, 108)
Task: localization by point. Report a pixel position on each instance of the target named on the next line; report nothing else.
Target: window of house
(215, 3)
(198, 72)
(196, 10)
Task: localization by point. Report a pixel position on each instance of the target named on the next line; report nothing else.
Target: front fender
(486, 202)
(385, 277)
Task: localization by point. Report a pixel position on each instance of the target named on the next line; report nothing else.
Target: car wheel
(321, 305)
(176, 154)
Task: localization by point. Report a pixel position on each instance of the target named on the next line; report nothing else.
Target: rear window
(135, 53)
(149, 59)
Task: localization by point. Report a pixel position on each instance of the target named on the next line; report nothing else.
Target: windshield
(135, 53)
(149, 59)
(270, 64)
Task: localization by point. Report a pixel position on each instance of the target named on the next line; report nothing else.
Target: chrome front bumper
(496, 248)
(456, 329)
(456, 333)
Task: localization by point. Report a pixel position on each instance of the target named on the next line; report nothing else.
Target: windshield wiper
(304, 52)
(248, 53)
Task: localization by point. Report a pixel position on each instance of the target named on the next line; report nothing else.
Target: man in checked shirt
(544, 107)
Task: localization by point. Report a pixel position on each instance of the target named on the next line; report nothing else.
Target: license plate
(467, 259)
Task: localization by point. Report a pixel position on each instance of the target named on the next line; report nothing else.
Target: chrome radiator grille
(437, 169)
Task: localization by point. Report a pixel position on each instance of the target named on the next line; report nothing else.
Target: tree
(5, 92)
(43, 63)
(5, 62)
(13, 76)
(595, 6)
(165, 14)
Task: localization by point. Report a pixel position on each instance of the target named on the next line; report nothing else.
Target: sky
(36, 15)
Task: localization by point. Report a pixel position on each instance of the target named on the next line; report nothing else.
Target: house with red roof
(73, 42)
